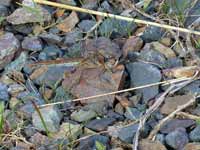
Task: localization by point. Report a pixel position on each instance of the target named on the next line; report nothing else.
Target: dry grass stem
(93, 12)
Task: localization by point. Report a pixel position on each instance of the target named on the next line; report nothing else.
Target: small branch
(161, 123)
(83, 10)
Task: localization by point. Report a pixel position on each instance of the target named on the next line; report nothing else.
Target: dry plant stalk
(109, 15)
(171, 115)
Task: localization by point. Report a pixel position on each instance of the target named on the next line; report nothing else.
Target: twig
(83, 10)
(187, 115)
(173, 88)
(166, 82)
(171, 115)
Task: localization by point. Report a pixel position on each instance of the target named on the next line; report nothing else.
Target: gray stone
(132, 113)
(23, 28)
(176, 123)
(5, 2)
(52, 117)
(90, 143)
(24, 15)
(86, 25)
(192, 88)
(160, 138)
(18, 63)
(69, 2)
(4, 96)
(195, 134)
(153, 57)
(75, 50)
(100, 124)
(143, 74)
(51, 38)
(127, 134)
(8, 47)
(32, 44)
(50, 52)
(52, 75)
(72, 37)
(83, 115)
(112, 27)
(3, 11)
(177, 139)
(152, 34)
(29, 131)
(174, 62)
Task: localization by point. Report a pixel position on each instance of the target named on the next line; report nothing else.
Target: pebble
(9, 45)
(23, 28)
(195, 134)
(52, 117)
(51, 38)
(4, 96)
(152, 33)
(90, 143)
(32, 44)
(132, 113)
(151, 145)
(5, 2)
(173, 124)
(83, 115)
(50, 52)
(86, 25)
(3, 11)
(73, 36)
(177, 139)
(143, 74)
(100, 124)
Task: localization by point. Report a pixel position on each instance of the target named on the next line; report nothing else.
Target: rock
(160, 138)
(69, 130)
(106, 7)
(192, 88)
(113, 27)
(29, 131)
(172, 103)
(52, 117)
(69, 22)
(43, 75)
(75, 50)
(8, 47)
(132, 113)
(32, 44)
(90, 142)
(23, 28)
(173, 124)
(18, 63)
(166, 51)
(15, 88)
(50, 52)
(119, 109)
(51, 38)
(73, 36)
(92, 81)
(86, 25)
(83, 115)
(38, 139)
(100, 124)
(5, 2)
(3, 11)
(103, 46)
(4, 96)
(152, 33)
(195, 134)
(23, 15)
(12, 120)
(143, 74)
(127, 134)
(192, 146)
(174, 62)
(177, 139)
(132, 44)
(114, 115)
(151, 145)
(152, 56)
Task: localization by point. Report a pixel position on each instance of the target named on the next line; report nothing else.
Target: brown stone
(151, 145)
(172, 103)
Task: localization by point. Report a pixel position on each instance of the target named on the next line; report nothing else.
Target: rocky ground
(58, 57)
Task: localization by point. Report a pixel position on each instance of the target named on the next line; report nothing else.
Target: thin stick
(171, 115)
(166, 82)
(83, 10)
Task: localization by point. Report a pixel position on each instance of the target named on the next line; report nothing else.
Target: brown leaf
(69, 23)
(86, 82)
(123, 101)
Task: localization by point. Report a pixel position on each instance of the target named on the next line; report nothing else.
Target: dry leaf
(38, 72)
(123, 101)
(68, 23)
